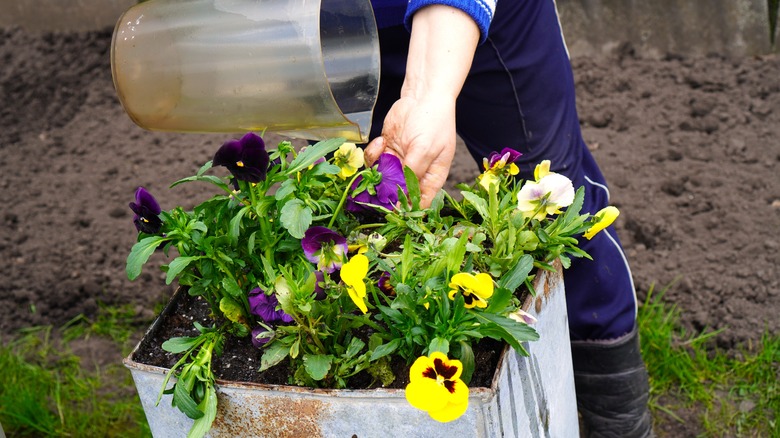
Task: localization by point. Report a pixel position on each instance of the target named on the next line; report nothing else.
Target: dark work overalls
(520, 94)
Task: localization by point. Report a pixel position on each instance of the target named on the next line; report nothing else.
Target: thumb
(374, 150)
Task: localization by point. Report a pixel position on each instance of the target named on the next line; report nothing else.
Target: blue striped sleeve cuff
(480, 10)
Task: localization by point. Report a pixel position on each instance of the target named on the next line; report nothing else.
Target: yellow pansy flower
(542, 169)
(436, 388)
(353, 274)
(349, 158)
(487, 179)
(605, 217)
(476, 289)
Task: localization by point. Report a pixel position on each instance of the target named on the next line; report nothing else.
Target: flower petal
(560, 189)
(353, 274)
(606, 216)
(542, 169)
(145, 199)
(355, 270)
(427, 395)
(446, 368)
(452, 411)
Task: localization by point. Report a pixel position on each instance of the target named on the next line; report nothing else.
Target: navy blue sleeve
(480, 10)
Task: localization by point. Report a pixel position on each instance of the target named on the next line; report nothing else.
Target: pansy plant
(301, 252)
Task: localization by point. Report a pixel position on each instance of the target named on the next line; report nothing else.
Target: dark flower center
(444, 370)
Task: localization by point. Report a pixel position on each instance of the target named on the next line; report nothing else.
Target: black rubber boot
(612, 388)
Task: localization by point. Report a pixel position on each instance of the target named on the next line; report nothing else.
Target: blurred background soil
(690, 146)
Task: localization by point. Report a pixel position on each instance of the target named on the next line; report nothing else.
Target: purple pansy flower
(147, 212)
(264, 306)
(261, 336)
(382, 185)
(506, 156)
(246, 158)
(325, 248)
(384, 284)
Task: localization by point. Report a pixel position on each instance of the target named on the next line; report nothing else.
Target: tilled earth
(691, 148)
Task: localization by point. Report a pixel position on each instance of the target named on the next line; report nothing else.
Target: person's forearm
(443, 41)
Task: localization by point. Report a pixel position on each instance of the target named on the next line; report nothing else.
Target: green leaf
(286, 189)
(413, 187)
(511, 331)
(573, 210)
(177, 265)
(273, 354)
(439, 344)
(466, 358)
(295, 349)
(203, 169)
(180, 344)
(140, 253)
(231, 309)
(499, 300)
(231, 287)
(205, 178)
(313, 153)
(480, 204)
(317, 365)
(407, 258)
(385, 349)
(296, 217)
(354, 347)
(250, 242)
(517, 275)
(209, 408)
(235, 224)
(284, 295)
(183, 400)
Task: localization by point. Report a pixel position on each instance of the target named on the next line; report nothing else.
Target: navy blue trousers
(520, 94)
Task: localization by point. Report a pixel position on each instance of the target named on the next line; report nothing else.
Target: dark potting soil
(240, 360)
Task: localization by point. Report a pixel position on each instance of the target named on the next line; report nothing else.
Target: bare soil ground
(691, 148)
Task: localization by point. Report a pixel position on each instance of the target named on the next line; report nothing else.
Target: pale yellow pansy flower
(349, 158)
(522, 316)
(546, 196)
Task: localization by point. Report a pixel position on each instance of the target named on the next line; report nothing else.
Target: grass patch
(47, 391)
(733, 393)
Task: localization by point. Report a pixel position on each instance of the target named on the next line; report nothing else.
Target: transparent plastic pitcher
(303, 68)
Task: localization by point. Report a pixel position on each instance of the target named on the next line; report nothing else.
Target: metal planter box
(529, 396)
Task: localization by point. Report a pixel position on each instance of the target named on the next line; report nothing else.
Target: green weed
(736, 392)
(46, 391)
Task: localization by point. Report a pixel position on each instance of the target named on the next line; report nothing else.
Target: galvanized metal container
(529, 396)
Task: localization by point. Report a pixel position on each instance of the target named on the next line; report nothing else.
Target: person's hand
(420, 126)
(422, 135)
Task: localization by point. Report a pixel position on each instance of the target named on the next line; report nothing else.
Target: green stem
(364, 226)
(344, 198)
(314, 337)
